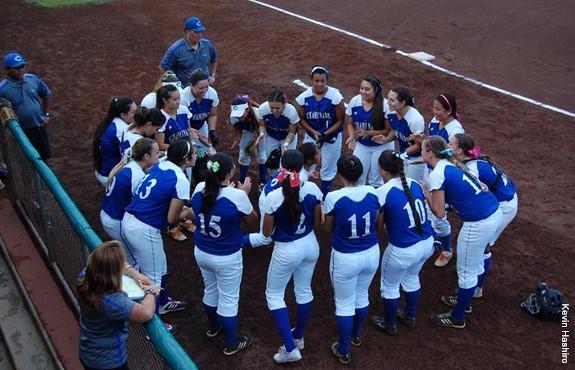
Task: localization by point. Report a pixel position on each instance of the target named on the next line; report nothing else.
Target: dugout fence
(65, 239)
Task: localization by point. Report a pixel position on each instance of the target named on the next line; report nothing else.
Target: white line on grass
(427, 63)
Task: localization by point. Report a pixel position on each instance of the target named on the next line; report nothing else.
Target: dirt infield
(89, 54)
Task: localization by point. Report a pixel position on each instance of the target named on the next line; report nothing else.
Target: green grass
(57, 3)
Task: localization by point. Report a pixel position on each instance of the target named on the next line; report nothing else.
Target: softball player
(177, 116)
(278, 121)
(291, 213)
(488, 172)
(365, 118)
(351, 213)
(311, 158)
(218, 211)
(202, 101)
(243, 118)
(410, 242)
(405, 120)
(445, 123)
(321, 111)
(109, 137)
(478, 209)
(146, 124)
(158, 201)
(122, 183)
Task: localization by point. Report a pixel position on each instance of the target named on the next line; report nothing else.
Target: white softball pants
(259, 239)
(415, 171)
(508, 213)
(471, 242)
(147, 246)
(401, 267)
(113, 228)
(222, 279)
(244, 158)
(330, 153)
(351, 274)
(369, 155)
(270, 144)
(297, 259)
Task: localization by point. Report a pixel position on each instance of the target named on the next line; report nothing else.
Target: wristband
(150, 291)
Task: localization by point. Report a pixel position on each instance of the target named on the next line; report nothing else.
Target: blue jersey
(164, 182)
(354, 211)
(446, 132)
(362, 118)
(411, 123)
(320, 114)
(200, 110)
(278, 128)
(309, 197)
(111, 146)
(462, 192)
(398, 215)
(122, 186)
(218, 231)
(498, 183)
(175, 129)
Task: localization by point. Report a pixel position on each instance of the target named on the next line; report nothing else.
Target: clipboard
(131, 288)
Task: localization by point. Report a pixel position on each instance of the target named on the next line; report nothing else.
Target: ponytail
(377, 115)
(218, 168)
(117, 106)
(140, 148)
(292, 163)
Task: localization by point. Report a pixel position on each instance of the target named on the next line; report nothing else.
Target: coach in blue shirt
(190, 53)
(30, 98)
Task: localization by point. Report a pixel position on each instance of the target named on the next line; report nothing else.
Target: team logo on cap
(18, 58)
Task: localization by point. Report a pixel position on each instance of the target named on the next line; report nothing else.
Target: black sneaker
(344, 359)
(213, 332)
(355, 341)
(379, 323)
(408, 322)
(243, 343)
(445, 319)
(451, 301)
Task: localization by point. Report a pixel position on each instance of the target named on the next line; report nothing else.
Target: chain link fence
(65, 239)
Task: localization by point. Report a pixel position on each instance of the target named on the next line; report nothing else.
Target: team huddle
(397, 175)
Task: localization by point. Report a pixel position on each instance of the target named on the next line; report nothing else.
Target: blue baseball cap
(194, 24)
(13, 60)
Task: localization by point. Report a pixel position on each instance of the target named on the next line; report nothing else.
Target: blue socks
(344, 327)
(486, 267)
(303, 311)
(464, 297)
(281, 319)
(358, 320)
(263, 170)
(325, 187)
(445, 242)
(411, 300)
(229, 324)
(243, 172)
(390, 306)
(212, 314)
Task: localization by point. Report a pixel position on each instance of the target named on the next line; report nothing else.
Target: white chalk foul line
(427, 63)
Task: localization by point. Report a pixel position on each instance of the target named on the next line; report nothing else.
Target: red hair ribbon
(293, 177)
(475, 152)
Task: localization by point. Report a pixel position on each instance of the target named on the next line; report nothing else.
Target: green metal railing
(68, 238)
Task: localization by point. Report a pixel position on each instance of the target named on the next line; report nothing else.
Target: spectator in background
(30, 98)
(191, 52)
(105, 309)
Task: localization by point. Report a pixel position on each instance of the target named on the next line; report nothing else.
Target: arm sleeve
(436, 178)
(328, 203)
(291, 113)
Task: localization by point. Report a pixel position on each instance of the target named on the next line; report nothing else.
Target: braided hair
(391, 162)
